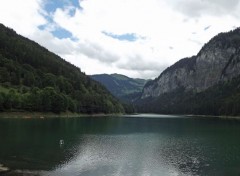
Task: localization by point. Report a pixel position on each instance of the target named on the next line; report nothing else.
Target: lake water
(141, 145)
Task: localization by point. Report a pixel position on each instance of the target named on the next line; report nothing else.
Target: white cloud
(166, 31)
(59, 46)
(198, 8)
(23, 16)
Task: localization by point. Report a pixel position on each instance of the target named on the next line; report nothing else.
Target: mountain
(34, 79)
(121, 86)
(207, 83)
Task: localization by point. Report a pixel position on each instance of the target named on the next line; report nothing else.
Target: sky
(137, 38)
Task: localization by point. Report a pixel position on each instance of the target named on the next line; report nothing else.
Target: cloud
(196, 41)
(137, 63)
(152, 19)
(198, 8)
(95, 51)
(24, 17)
(47, 39)
(142, 68)
(137, 38)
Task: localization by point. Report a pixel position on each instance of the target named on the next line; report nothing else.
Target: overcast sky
(138, 38)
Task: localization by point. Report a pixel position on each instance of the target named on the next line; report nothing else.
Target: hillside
(34, 79)
(121, 86)
(207, 83)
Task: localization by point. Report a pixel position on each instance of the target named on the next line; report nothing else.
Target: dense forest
(34, 79)
(221, 99)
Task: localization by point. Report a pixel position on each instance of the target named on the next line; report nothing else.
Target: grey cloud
(94, 51)
(196, 8)
(136, 63)
(67, 47)
(149, 74)
(58, 46)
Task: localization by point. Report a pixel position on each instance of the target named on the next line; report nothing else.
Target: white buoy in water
(61, 142)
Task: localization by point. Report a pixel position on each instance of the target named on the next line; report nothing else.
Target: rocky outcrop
(218, 60)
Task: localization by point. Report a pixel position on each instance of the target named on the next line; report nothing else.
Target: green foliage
(4, 75)
(34, 79)
(1, 101)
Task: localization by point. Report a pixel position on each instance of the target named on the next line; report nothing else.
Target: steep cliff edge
(217, 61)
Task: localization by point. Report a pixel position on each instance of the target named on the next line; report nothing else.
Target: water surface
(143, 145)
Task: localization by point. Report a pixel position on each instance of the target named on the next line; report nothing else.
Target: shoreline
(43, 115)
(214, 116)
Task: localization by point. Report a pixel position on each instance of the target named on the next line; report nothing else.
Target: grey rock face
(219, 60)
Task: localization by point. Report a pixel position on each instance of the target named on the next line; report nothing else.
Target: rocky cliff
(217, 61)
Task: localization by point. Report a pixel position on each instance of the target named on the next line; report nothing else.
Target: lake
(138, 145)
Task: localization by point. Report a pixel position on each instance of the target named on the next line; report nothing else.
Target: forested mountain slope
(207, 83)
(34, 79)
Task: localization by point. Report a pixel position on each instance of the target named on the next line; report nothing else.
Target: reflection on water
(122, 146)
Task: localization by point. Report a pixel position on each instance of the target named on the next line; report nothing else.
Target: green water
(144, 145)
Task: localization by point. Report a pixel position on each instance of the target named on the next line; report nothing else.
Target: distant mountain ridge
(217, 64)
(119, 85)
